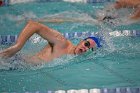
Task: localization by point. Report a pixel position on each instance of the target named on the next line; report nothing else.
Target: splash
(20, 18)
(17, 62)
(66, 16)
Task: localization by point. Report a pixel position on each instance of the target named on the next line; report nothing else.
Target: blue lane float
(9, 39)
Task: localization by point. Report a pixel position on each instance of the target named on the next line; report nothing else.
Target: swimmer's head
(96, 40)
(86, 44)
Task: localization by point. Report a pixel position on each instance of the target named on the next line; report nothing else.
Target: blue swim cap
(97, 41)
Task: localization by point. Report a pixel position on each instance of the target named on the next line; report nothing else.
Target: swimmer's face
(84, 46)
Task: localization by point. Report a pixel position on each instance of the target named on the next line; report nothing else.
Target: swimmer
(134, 4)
(129, 4)
(57, 45)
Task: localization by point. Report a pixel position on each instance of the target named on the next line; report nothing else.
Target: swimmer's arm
(51, 20)
(136, 14)
(126, 3)
(53, 37)
(59, 20)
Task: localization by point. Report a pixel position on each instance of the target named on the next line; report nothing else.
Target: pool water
(116, 64)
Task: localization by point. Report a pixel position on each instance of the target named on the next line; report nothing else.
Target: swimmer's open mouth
(81, 50)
